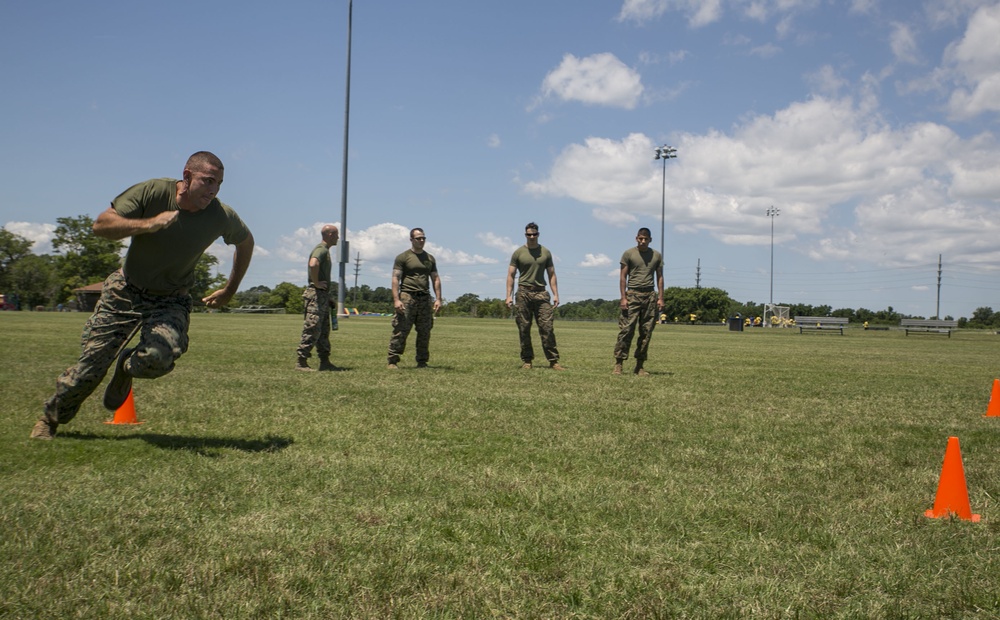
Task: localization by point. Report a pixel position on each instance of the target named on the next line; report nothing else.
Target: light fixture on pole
(664, 152)
(772, 213)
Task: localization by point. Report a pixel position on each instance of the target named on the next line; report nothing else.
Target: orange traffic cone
(993, 409)
(952, 493)
(126, 413)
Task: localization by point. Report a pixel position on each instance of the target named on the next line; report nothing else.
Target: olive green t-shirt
(642, 267)
(322, 254)
(532, 264)
(164, 260)
(416, 270)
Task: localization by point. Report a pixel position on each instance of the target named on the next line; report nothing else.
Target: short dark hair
(203, 158)
(413, 230)
(531, 225)
(644, 231)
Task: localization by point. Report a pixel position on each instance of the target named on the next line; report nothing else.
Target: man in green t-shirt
(171, 223)
(641, 300)
(533, 262)
(413, 272)
(316, 328)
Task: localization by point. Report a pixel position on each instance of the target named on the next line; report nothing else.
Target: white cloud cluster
(906, 185)
(601, 79)
(40, 235)
(703, 12)
(497, 242)
(849, 184)
(975, 62)
(595, 260)
(300, 243)
(699, 12)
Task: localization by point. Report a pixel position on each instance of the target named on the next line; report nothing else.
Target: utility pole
(697, 275)
(357, 270)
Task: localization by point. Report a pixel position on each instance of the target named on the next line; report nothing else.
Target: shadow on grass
(205, 446)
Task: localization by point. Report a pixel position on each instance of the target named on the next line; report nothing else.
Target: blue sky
(868, 124)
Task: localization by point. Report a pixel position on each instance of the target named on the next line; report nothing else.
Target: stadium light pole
(664, 152)
(772, 213)
(344, 249)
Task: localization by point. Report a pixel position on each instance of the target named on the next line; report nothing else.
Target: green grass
(758, 474)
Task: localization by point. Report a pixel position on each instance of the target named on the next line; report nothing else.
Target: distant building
(88, 296)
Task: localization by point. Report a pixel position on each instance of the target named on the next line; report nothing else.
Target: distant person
(413, 272)
(531, 263)
(171, 222)
(640, 284)
(317, 324)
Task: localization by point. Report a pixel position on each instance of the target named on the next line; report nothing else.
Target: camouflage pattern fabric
(418, 312)
(535, 305)
(123, 308)
(641, 313)
(316, 327)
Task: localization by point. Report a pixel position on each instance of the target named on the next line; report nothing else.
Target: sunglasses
(419, 238)
(530, 234)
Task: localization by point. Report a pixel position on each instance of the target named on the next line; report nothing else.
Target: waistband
(180, 292)
(416, 293)
(643, 289)
(533, 289)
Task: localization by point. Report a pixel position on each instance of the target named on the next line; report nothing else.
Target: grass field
(759, 474)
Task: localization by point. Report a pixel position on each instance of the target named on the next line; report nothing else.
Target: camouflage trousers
(642, 313)
(316, 328)
(162, 322)
(535, 305)
(418, 311)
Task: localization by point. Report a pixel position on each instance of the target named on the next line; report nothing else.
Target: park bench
(821, 323)
(928, 326)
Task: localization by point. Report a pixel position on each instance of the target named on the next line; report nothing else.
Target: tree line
(83, 258)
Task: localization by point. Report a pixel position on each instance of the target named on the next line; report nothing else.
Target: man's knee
(152, 362)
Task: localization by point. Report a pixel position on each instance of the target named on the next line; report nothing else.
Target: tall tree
(83, 257)
(286, 295)
(36, 281)
(205, 281)
(13, 247)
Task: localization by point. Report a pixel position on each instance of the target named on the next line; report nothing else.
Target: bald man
(316, 330)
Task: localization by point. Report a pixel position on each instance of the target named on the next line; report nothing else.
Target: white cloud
(603, 172)
(492, 240)
(701, 13)
(827, 81)
(300, 243)
(903, 43)
(882, 193)
(943, 13)
(595, 260)
(767, 50)
(493, 141)
(378, 243)
(975, 65)
(457, 257)
(671, 58)
(600, 79)
(40, 235)
(863, 7)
